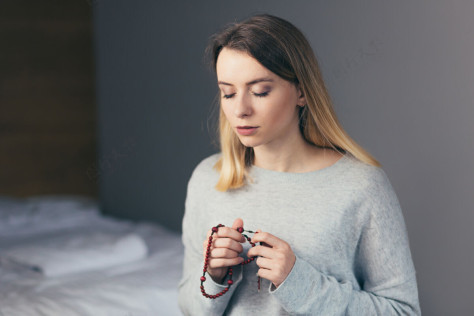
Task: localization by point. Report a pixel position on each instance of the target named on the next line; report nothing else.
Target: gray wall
(402, 79)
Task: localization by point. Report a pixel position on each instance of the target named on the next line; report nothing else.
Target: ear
(301, 98)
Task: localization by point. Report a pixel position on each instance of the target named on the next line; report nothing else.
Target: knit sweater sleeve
(190, 299)
(382, 260)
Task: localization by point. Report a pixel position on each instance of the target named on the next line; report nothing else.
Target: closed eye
(260, 95)
(263, 94)
(228, 96)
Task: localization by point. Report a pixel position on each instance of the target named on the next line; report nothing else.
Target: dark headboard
(47, 98)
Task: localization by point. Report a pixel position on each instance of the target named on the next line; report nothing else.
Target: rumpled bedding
(33, 283)
(38, 214)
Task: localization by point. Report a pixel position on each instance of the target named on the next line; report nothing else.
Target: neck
(296, 155)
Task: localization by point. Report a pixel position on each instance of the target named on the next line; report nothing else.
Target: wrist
(216, 278)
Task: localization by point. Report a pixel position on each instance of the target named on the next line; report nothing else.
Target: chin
(248, 143)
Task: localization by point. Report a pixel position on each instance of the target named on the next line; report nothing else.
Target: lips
(247, 130)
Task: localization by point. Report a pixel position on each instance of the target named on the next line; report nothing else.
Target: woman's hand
(225, 249)
(276, 257)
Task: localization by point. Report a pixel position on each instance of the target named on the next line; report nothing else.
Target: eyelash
(260, 95)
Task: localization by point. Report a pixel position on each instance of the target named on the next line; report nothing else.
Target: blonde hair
(280, 47)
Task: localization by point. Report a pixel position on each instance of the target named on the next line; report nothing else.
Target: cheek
(226, 109)
(281, 114)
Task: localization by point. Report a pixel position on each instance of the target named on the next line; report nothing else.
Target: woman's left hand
(276, 257)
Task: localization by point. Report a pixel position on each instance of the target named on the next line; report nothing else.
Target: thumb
(262, 243)
(238, 222)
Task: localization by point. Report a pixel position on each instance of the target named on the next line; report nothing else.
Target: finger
(223, 253)
(264, 263)
(262, 243)
(238, 222)
(268, 238)
(220, 262)
(228, 243)
(261, 251)
(230, 233)
(265, 273)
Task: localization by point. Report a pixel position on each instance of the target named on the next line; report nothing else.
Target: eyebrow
(248, 83)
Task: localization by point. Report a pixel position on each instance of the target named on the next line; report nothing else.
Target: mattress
(143, 287)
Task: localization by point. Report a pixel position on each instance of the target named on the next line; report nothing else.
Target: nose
(243, 106)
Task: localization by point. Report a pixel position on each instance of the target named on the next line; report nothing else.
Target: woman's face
(261, 107)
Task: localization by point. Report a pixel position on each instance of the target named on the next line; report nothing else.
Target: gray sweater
(344, 224)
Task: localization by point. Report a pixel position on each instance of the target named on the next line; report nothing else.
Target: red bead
(229, 271)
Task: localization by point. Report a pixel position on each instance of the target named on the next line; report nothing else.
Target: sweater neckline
(262, 172)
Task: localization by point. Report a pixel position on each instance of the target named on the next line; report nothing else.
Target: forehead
(236, 67)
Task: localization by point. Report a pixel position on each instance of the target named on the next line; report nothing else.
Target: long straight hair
(281, 48)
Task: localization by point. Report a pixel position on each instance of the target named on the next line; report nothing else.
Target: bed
(60, 256)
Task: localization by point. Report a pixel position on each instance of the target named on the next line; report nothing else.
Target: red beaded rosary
(229, 270)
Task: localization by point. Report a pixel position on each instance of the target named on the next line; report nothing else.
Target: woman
(331, 235)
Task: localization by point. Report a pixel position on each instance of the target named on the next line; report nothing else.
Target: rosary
(229, 270)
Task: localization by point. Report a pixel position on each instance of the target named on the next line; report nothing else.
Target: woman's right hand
(225, 249)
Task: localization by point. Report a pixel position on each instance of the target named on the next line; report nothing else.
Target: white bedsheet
(145, 287)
